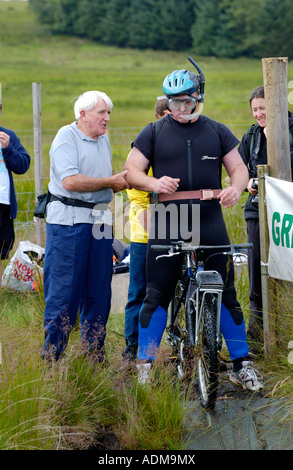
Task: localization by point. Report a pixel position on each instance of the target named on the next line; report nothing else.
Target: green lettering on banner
(275, 229)
(286, 227)
(281, 231)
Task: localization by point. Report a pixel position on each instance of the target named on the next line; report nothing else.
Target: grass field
(68, 66)
(37, 409)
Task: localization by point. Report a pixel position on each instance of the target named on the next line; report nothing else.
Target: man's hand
(4, 140)
(229, 197)
(166, 185)
(118, 182)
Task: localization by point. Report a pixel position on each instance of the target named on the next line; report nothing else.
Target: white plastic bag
(25, 267)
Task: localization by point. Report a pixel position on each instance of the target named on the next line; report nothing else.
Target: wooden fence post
(38, 156)
(269, 318)
(279, 162)
(278, 149)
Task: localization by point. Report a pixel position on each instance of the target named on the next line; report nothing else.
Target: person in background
(78, 261)
(139, 222)
(13, 159)
(186, 156)
(161, 107)
(253, 150)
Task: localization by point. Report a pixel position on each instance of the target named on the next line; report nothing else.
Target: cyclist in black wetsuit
(187, 155)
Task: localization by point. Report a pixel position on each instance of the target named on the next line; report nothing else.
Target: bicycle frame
(207, 282)
(199, 328)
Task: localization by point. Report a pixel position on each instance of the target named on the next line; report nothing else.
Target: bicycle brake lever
(167, 256)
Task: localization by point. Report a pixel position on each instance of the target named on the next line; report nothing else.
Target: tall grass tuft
(26, 405)
(66, 405)
(152, 416)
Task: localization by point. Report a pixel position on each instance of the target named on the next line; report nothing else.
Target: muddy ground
(107, 440)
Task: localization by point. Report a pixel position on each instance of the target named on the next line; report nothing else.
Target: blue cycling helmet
(181, 82)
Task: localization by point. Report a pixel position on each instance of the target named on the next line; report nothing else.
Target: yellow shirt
(139, 202)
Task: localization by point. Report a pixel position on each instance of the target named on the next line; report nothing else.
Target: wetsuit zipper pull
(189, 163)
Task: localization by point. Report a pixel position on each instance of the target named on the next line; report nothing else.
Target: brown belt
(202, 194)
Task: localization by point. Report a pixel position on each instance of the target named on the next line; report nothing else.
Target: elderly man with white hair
(78, 257)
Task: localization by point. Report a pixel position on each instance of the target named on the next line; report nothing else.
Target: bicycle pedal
(173, 357)
(223, 366)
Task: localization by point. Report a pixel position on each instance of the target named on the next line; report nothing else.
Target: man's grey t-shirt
(72, 153)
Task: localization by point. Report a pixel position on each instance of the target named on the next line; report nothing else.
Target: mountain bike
(194, 315)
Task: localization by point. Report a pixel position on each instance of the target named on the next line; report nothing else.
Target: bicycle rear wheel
(207, 354)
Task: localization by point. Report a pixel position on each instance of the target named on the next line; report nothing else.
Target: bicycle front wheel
(207, 358)
(179, 336)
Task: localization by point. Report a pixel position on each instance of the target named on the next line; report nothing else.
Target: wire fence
(120, 138)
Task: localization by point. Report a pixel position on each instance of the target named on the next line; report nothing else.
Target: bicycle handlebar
(180, 247)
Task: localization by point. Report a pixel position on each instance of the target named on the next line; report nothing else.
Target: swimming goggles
(188, 103)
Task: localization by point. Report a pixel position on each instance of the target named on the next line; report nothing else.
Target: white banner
(279, 198)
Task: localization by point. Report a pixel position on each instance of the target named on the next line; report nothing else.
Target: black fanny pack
(44, 199)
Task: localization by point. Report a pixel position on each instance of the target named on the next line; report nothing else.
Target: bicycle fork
(208, 282)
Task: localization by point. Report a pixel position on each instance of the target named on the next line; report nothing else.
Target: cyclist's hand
(166, 184)
(229, 197)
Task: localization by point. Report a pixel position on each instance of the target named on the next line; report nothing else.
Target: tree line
(220, 28)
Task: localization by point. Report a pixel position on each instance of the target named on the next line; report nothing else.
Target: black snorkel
(190, 117)
(202, 79)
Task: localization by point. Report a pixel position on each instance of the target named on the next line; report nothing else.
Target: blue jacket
(17, 160)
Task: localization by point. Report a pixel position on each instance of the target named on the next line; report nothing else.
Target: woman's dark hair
(258, 92)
